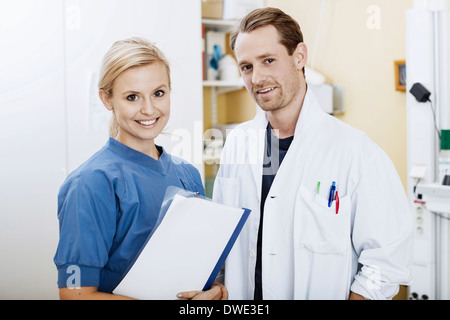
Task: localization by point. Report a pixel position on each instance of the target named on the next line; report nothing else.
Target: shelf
(223, 83)
(223, 24)
(224, 86)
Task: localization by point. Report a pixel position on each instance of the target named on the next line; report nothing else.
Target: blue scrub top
(108, 207)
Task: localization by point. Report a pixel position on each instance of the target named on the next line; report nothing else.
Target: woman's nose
(147, 107)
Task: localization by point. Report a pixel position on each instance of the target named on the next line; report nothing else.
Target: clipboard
(186, 251)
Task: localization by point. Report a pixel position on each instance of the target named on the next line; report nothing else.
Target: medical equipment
(428, 72)
(436, 199)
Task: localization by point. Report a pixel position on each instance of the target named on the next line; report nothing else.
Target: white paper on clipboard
(185, 251)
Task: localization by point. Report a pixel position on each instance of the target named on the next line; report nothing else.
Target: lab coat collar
(310, 110)
(308, 115)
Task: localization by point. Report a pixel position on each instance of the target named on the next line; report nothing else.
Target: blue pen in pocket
(331, 196)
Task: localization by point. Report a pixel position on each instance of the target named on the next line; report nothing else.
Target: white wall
(51, 119)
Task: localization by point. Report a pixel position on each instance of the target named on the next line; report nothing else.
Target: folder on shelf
(186, 251)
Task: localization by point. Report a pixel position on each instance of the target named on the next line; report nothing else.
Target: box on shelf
(212, 9)
(237, 9)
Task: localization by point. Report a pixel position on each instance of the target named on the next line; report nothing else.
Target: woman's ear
(106, 99)
(301, 55)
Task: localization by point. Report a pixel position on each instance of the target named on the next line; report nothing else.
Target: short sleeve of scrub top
(108, 207)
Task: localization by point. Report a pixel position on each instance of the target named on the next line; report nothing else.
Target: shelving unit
(212, 89)
(220, 87)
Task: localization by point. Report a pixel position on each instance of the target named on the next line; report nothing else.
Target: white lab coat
(309, 251)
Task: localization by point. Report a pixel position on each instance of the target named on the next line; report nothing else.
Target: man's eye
(159, 93)
(270, 60)
(246, 68)
(132, 97)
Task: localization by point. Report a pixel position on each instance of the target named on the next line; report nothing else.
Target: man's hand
(355, 296)
(217, 292)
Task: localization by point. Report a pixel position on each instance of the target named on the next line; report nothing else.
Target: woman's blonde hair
(123, 55)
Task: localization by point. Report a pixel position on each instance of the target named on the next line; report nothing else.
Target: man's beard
(274, 103)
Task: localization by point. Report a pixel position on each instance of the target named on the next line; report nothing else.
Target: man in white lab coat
(330, 218)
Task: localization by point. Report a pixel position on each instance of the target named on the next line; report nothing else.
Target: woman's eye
(159, 93)
(132, 97)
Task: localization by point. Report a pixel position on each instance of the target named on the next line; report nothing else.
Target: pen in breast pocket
(337, 202)
(331, 195)
(318, 187)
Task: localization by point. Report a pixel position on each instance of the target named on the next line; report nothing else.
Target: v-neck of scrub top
(160, 166)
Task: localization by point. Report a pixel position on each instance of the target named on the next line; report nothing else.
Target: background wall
(355, 47)
(51, 119)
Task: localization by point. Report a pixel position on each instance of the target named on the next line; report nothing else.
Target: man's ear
(106, 99)
(301, 55)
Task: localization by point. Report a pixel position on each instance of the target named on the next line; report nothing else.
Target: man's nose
(258, 76)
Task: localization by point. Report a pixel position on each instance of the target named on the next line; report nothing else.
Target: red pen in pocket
(337, 202)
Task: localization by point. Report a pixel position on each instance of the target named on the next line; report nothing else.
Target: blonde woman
(109, 205)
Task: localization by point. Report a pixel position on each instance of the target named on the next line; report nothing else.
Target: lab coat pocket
(227, 191)
(318, 227)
